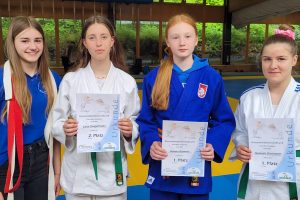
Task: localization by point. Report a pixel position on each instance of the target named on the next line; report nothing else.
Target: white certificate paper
(183, 142)
(97, 116)
(273, 152)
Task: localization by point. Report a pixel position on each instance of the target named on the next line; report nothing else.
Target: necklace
(100, 77)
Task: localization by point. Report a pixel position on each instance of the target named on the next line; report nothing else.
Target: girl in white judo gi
(278, 98)
(84, 176)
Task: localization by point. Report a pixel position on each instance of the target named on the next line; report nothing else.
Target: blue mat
(224, 187)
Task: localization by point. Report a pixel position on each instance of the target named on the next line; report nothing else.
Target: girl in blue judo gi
(184, 88)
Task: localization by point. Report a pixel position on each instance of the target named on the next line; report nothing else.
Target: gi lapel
(176, 85)
(184, 94)
(109, 86)
(283, 104)
(87, 82)
(175, 98)
(267, 102)
(286, 100)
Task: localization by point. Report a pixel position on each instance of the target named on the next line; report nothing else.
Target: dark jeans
(34, 181)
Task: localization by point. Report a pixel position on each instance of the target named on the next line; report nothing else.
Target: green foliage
(238, 44)
(213, 39)
(69, 31)
(194, 1)
(126, 34)
(238, 40)
(149, 41)
(215, 2)
(5, 25)
(172, 1)
(48, 28)
(257, 37)
(297, 32)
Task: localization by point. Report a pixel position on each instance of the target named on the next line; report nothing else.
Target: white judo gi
(256, 103)
(77, 174)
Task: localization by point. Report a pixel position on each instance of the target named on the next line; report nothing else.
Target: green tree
(126, 34)
(257, 37)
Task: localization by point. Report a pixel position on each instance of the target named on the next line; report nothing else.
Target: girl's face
(277, 62)
(29, 46)
(182, 40)
(98, 42)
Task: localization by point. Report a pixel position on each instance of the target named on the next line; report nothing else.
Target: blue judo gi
(202, 99)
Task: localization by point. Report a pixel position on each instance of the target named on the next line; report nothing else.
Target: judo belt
(194, 180)
(15, 138)
(118, 167)
(244, 183)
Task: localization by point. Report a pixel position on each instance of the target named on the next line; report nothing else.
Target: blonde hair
(161, 89)
(20, 87)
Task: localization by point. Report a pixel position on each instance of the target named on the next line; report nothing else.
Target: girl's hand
(157, 152)
(125, 126)
(70, 127)
(243, 153)
(207, 153)
(1, 196)
(57, 184)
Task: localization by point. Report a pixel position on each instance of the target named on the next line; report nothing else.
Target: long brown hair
(116, 52)
(20, 87)
(161, 89)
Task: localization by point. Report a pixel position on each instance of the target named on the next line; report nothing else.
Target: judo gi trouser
(34, 181)
(122, 196)
(162, 195)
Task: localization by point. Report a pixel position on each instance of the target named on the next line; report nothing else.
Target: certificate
(97, 116)
(273, 152)
(183, 142)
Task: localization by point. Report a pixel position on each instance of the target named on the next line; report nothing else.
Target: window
(199, 46)
(69, 36)
(48, 28)
(238, 44)
(297, 37)
(126, 33)
(149, 42)
(172, 1)
(194, 1)
(5, 26)
(257, 37)
(215, 2)
(272, 28)
(213, 42)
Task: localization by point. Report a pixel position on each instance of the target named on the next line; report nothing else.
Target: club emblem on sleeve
(202, 89)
